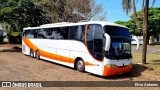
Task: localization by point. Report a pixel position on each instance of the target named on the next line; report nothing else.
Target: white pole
(138, 43)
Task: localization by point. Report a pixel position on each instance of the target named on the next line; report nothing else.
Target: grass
(152, 66)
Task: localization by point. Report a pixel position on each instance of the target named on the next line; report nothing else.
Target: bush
(14, 37)
(1, 39)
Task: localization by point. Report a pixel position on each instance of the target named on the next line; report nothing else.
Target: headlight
(111, 65)
(130, 64)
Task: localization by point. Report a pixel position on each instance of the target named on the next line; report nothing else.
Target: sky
(115, 11)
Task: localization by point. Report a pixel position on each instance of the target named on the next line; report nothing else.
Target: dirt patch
(16, 66)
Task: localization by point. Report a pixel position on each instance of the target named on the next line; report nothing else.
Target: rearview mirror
(108, 42)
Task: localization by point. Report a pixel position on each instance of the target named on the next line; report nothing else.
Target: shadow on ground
(136, 72)
(156, 62)
(14, 49)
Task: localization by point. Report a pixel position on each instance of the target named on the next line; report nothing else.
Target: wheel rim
(80, 65)
(31, 53)
(37, 55)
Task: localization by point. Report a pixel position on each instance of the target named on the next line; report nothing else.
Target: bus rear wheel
(80, 66)
(31, 53)
(37, 55)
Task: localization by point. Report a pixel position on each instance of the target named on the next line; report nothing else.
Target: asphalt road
(150, 49)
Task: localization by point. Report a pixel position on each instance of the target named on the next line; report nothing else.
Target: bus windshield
(120, 47)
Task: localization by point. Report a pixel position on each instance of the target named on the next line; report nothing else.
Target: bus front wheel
(80, 65)
(37, 55)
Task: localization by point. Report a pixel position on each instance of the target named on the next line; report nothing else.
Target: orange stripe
(30, 45)
(117, 70)
(51, 55)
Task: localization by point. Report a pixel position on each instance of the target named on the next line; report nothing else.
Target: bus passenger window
(35, 33)
(42, 33)
(49, 33)
(60, 33)
(76, 33)
(28, 34)
(73, 33)
(83, 32)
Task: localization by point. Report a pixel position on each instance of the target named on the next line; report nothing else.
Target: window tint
(83, 33)
(117, 31)
(41, 33)
(49, 33)
(95, 41)
(61, 33)
(28, 34)
(98, 33)
(72, 32)
(90, 33)
(64, 32)
(54, 33)
(75, 32)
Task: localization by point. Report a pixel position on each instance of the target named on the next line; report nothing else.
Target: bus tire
(31, 53)
(37, 54)
(80, 66)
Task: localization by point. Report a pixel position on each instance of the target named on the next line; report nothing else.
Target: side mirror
(108, 42)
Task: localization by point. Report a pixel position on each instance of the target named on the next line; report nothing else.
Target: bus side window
(73, 33)
(49, 33)
(62, 32)
(28, 34)
(41, 34)
(35, 33)
(76, 33)
(58, 33)
(65, 32)
(82, 33)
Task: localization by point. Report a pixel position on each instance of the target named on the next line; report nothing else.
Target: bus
(97, 47)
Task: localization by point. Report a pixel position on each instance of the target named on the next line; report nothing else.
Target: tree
(132, 27)
(31, 13)
(73, 10)
(127, 6)
(153, 24)
(21, 13)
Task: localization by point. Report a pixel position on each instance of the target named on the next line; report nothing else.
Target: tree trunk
(145, 31)
(135, 15)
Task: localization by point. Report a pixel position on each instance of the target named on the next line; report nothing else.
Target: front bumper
(108, 71)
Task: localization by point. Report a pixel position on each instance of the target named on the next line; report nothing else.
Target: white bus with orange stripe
(101, 48)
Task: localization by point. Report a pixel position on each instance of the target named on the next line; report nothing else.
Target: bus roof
(63, 24)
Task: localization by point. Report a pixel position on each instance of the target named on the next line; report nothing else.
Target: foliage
(14, 37)
(30, 13)
(153, 26)
(132, 27)
(73, 10)
(12, 33)
(20, 13)
(145, 9)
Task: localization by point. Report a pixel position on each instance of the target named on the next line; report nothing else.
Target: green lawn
(152, 66)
